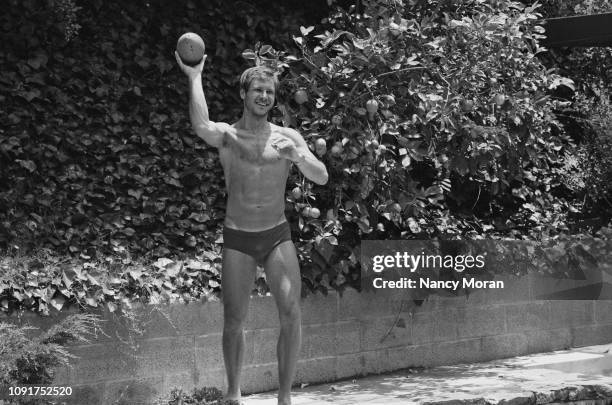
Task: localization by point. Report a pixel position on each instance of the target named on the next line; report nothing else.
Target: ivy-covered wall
(96, 152)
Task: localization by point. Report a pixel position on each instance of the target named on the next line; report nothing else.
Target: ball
(190, 47)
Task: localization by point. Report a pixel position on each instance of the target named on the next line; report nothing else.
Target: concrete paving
(582, 375)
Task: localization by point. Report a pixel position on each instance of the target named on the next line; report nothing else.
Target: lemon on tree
(371, 107)
(300, 96)
(499, 99)
(320, 146)
(296, 193)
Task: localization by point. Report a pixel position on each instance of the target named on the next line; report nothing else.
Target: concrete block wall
(344, 335)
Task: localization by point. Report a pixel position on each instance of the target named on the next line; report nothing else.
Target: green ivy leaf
(58, 302)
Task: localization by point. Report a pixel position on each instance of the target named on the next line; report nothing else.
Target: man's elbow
(322, 180)
(208, 134)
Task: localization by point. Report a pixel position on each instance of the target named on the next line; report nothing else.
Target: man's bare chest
(254, 169)
(253, 152)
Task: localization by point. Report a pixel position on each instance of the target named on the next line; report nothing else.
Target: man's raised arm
(213, 133)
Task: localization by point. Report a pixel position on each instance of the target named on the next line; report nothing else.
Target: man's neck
(254, 123)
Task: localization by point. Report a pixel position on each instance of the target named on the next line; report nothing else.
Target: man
(256, 157)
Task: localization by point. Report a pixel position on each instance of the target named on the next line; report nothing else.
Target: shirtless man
(256, 156)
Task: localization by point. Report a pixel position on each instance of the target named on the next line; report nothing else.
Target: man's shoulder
(290, 132)
(225, 144)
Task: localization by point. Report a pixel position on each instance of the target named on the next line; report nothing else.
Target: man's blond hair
(258, 72)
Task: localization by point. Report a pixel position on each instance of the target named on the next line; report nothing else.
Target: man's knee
(290, 312)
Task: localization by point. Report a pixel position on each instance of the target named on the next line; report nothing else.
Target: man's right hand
(191, 71)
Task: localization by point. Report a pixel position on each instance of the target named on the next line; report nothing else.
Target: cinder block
(424, 327)
(133, 391)
(504, 346)
(350, 365)
(358, 364)
(183, 319)
(319, 340)
(320, 309)
(459, 351)
(319, 370)
(410, 356)
(262, 314)
(533, 315)
(603, 312)
(62, 376)
(259, 378)
(350, 305)
(348, 337)
(330, 339)
(591, 335)
(549, 288)
(184, 381)
(480, 320)
(165, 355)
(208, 353)
(86, 394)
(355, 305)
(115, 327)
(442, 301)
(437, 326)
(380, 333)
(377, 361)
(540, 341)
(100, 350)
(214, 377)
(110, 367)
(260, 346)
(571, 313)
(155, 321)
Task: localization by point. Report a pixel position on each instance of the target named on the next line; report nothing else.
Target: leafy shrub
(199, 396)
(33, 360)
(51, 283)
(442, 125)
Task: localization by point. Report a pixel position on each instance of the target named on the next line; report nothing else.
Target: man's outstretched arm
(213, 133)
(294, 148)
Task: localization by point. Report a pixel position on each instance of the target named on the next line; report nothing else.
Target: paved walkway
(578, 374)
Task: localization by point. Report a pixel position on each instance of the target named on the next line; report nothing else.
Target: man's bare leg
(283, 277)
(237, 280)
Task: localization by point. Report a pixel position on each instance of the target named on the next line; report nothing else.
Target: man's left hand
(286, 149)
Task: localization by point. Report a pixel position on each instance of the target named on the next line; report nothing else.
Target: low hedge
(50, 283)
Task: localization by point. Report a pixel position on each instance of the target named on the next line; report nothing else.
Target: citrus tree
(434, 119)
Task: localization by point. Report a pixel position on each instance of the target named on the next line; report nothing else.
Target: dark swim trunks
(256, 244)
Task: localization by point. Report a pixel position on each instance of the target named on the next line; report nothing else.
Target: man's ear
(242, 94)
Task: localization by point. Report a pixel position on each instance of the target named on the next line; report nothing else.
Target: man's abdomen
(256, 193)
(256, 203)
(254, 215)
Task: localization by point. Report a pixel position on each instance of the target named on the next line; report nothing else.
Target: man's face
(259, 100)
